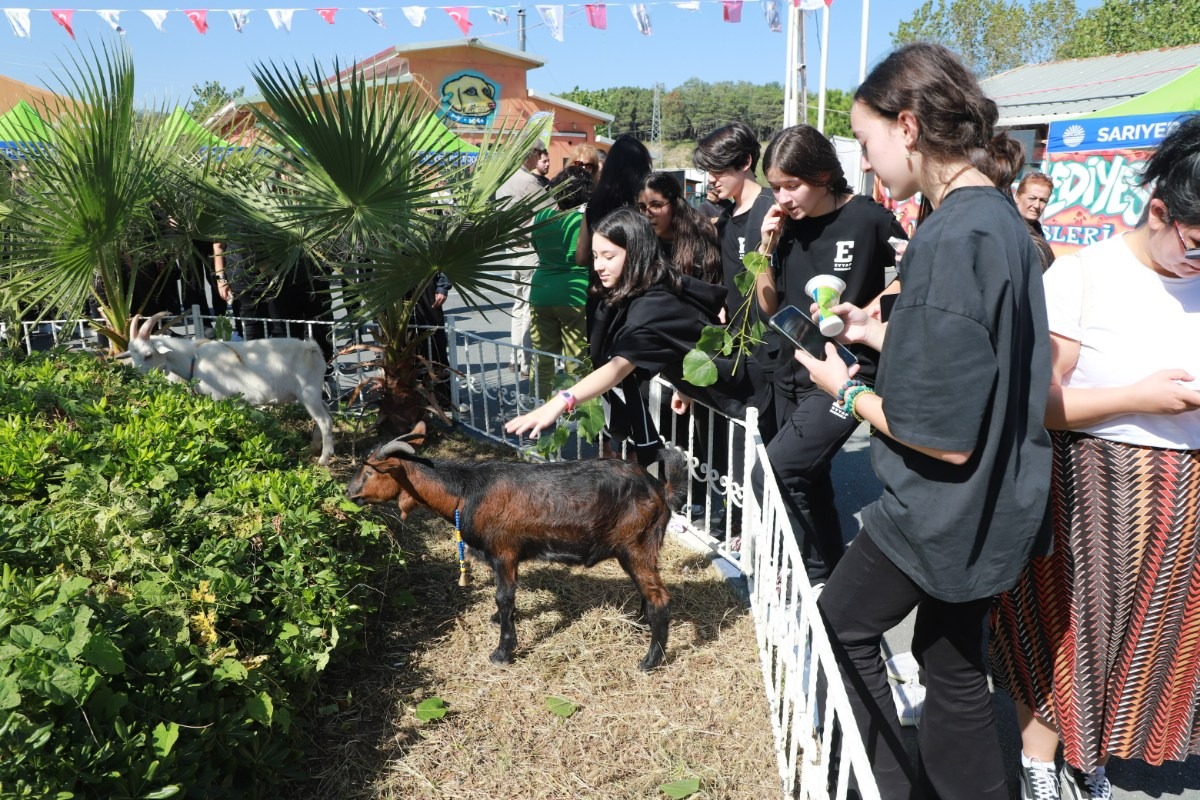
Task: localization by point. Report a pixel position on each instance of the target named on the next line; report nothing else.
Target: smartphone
(799, 329)
(886, 303)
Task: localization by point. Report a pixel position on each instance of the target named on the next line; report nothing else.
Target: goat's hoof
(501, 657)
(650, 662)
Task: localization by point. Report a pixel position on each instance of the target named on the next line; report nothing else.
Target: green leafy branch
(699, 365)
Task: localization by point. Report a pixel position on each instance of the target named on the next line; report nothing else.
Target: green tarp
(22, 124)
(180, 124)
(435, 139)
(1180, 95)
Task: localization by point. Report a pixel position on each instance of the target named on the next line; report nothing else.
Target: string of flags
(281, 18)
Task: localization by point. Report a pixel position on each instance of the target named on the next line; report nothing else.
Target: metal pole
(824, 70)
(803, 72)
(862, 51)
(521, 29)
(789, 70)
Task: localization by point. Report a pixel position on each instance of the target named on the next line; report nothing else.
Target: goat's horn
(397, 445)
(133, 326)
(148, 327)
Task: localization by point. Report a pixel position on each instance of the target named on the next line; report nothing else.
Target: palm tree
(85, 213)
(355, 187)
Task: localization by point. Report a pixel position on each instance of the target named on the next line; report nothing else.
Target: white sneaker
(909, 699)
(1039, 781)
(1086, 785)
(903, 667)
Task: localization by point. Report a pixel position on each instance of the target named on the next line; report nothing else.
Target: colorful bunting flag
(642, 19)
(240, 17)
(63, 17)
(199, 18)
(327, 14)
(731, 10)
(376, 15)
(552, 16)
(281, 18)
(688, 5)
(113, 18)
(597, 15)
(461, 17)
(812, 5)
(415, 15)
(157, 16)
(18, 18)
(499, 14)
(771, 12)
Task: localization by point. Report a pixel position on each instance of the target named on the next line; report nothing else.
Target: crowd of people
(1040, 459)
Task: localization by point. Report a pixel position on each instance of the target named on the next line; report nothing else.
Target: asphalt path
(856, 487)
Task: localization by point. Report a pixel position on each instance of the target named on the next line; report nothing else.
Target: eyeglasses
(654, 206)
(1190, 253)
(585, 164)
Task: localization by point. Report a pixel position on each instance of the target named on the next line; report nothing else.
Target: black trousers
(810, 433)
(960, 755)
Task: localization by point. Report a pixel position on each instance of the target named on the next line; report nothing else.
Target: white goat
(264, 372)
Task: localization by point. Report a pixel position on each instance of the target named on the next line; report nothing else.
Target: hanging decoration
(642, 19)
(376, 15)
(552, 16)
(63, 17)
(240, 17)
(281, 18)
(461, 16)
(500, 15)
(113, 18)
(18, 19)
(731, 10)
(771, 12)
(157, 15)
(415, 15)
(597, 15)
(327, 14)
(199, 18)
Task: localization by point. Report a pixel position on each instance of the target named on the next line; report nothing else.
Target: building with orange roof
(13, 91)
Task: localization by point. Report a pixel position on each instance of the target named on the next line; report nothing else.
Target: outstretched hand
(537, 420)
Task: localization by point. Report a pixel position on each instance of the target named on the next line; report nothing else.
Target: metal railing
(819, 752)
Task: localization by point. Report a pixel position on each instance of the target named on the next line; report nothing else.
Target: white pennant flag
(281, 18)
(688, 5)
(240, 17)
(18, 18)
(376, 15)
(771, 12)
(157, 16)
(552, 16)
(499, 14)
(415, 15)
(642, 19)
(113, 18)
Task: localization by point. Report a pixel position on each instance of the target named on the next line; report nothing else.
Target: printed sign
(469, 98)
(1110, 133)
(1095, 197)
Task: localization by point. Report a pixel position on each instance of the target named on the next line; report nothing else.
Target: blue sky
(684, 44)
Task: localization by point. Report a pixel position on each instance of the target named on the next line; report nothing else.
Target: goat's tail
(673, 470)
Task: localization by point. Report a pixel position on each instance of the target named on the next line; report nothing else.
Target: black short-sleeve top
(965, 366)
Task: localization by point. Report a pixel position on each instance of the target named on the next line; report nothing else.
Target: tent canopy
(1180, 95)
(180, 124)
(22, 124)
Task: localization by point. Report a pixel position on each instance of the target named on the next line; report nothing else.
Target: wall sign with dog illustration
(470, 98)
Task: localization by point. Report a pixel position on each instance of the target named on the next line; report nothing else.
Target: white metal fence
(818, 749)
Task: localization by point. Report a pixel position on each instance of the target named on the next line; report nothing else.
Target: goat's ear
(161, 348)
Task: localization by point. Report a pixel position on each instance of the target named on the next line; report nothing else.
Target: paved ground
(856, 487)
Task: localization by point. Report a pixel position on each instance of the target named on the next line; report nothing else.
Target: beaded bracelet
(841, 395)
(852, 399)
(851, 393)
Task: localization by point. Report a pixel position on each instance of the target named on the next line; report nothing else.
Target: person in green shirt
(558, 291)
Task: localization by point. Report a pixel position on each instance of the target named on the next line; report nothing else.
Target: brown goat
(571, 512)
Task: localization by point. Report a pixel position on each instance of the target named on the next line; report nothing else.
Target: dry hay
(703, 714)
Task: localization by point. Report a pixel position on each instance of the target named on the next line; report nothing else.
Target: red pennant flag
(63, 17)
(199, 18)
(732, 10)
(460, 16)
(597, 15)
(327, 14)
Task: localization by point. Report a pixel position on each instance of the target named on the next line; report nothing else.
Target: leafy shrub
(172, 583)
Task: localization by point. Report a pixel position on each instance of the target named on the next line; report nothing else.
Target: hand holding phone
(799, 329)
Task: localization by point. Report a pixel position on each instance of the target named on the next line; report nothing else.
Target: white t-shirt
(1130, 322)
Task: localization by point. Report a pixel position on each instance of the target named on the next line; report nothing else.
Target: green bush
(172, 582)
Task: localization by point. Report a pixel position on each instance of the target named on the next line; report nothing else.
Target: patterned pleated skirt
(1102, 637)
